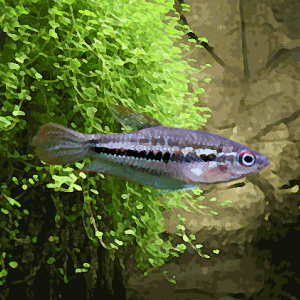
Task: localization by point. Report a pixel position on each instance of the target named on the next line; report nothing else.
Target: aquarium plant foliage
(64, 61)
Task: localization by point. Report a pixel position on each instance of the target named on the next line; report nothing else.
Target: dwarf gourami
(167, 158)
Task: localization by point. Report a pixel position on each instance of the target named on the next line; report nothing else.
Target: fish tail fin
(59, 145)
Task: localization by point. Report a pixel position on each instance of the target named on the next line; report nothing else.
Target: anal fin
(164, 182)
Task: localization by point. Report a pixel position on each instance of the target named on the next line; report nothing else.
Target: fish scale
(163, 157)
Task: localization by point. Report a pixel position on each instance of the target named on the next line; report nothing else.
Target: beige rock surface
(255, 100)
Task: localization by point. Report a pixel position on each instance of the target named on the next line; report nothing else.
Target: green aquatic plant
(63, 61)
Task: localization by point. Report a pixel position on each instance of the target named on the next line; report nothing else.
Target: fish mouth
(265, 164)
(262, 163)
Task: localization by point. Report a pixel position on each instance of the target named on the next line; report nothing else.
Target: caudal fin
(59, 145)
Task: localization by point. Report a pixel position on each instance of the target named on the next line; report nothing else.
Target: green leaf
(13, 66)
(140, 206)
(87, 13)
(12, 201)
(192, 237)
(185, 238)
(82, 175)
(99, 233)
(3, 273)
(13, 264)
(180, 227)
(129, 231)
(200, 91)
(53, 34)
(61, 270)
(120, 243)
(51, 260)
(113, 246)
(5, 121)
(181, 247)
(53, 24)
(94, 191)
(18, 113)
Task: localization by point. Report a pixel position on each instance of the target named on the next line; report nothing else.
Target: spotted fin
(131, 119)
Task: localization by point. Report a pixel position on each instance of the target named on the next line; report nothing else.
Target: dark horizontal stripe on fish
(158, 156)
(150, 155)
(192, 157)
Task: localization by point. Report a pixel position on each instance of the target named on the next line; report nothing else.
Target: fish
(166, 158)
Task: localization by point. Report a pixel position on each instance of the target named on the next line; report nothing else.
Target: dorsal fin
(131, 119)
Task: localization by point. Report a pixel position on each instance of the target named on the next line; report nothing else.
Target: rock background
(255, 100)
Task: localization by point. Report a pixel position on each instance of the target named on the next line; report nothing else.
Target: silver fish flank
(163, 157)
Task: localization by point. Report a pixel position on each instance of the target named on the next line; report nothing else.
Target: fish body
(163, 157)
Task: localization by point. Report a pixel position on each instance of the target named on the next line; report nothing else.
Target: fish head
(237, 161)
(226, 162)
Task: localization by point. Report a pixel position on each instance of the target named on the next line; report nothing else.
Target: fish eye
(247, 159)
